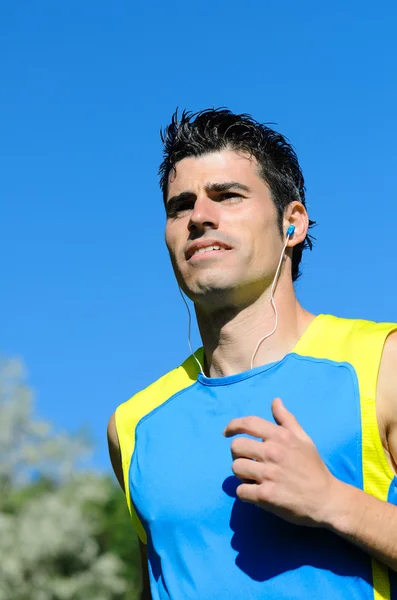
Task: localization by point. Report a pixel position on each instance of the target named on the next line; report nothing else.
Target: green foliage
(116, 535)
(65, 532)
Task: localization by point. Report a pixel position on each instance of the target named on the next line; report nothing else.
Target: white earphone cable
(272, 302)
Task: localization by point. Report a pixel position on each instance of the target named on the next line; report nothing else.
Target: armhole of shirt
(366, 356)
(360, 343)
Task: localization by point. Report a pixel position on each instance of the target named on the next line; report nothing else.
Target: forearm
(365, 521)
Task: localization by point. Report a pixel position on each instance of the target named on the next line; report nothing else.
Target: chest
(181, 469)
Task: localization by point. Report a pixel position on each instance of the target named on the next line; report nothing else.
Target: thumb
(286, 419)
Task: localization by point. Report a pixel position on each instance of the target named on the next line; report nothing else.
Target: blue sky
(88, 297)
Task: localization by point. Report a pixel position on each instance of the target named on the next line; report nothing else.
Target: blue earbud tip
(290, 230)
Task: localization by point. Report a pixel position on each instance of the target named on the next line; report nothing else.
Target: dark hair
(212, 130)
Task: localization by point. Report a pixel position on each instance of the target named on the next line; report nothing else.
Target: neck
(230, 334)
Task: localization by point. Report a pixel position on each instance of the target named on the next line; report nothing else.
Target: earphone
(289, 233)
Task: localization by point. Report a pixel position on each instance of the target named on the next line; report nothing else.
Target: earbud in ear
(290, 230)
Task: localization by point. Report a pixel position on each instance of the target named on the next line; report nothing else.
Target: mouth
(200, 251)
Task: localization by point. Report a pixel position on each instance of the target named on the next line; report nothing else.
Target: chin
(222, 289)
(213, 282)
(211, 291)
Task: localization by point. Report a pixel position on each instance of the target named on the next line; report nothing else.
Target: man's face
(221, 232)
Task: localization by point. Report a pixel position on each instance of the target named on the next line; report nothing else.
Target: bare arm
(367, 522)
(115, 459)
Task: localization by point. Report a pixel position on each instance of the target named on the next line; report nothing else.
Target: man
(270, 473)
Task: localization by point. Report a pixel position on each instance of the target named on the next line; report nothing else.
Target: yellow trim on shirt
(131, 412)
(359, 343)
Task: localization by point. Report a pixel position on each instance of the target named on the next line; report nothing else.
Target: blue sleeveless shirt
(205, 543)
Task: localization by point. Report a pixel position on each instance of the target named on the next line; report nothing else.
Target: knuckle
(271, 472)
(262, 471)
(267, 491)
(274, 453)
(261, 453)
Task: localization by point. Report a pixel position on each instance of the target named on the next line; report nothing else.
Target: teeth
(207, 249)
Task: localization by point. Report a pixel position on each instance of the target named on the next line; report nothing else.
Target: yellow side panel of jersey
(359, 343)
(131, 412)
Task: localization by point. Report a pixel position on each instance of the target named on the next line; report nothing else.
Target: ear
(296, 214)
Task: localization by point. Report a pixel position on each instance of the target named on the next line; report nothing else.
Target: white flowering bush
(51, 511)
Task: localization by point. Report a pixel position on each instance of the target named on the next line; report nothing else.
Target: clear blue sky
(87, 293)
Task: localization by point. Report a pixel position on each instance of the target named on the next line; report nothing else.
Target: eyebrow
(224, 186)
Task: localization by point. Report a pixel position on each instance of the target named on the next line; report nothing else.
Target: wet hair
(213, 130)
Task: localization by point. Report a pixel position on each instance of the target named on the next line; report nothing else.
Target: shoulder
(356, 328)
(357, 342)
(112, 431)
(388, 368)
(129, 413)
(114, 450)
(122, 424)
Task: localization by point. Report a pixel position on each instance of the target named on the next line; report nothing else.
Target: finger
(286, 419)
(254, 426)
(247, 469)
(248, 492)
(243, 447)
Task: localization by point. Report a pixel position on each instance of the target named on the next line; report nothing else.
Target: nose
(205, 215)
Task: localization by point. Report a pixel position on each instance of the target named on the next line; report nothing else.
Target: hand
(283, 473)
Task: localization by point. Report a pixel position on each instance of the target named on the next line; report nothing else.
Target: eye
(178, 209)
(230, 197)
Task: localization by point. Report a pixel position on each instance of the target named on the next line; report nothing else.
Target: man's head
(204, 154)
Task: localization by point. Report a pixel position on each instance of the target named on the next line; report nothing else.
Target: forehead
(192, 173)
